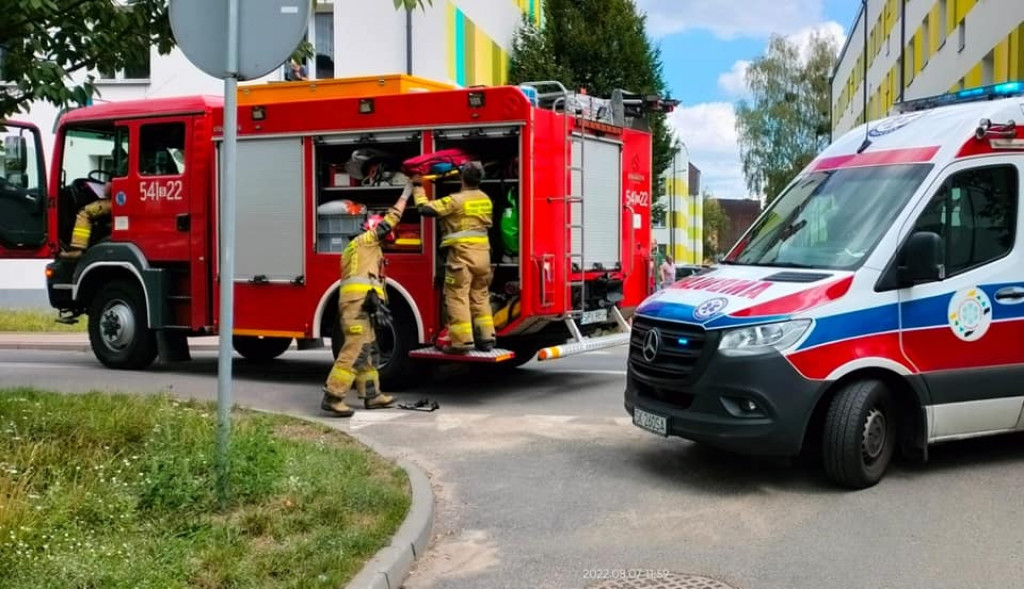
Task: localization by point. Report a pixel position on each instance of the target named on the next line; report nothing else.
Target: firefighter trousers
(467, 295)
(83, 223)
(359, 356)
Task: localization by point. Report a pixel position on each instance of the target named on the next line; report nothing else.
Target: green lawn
(110, 491)
(26, 321)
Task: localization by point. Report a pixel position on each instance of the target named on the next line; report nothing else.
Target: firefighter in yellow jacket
(464, 218)
(361, 298)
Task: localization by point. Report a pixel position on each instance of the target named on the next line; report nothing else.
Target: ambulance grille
(679, 353)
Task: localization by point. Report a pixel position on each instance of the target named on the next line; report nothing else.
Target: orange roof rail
(364, 86)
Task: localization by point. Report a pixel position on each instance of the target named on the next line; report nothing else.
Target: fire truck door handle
(184, 222)
(259, 279)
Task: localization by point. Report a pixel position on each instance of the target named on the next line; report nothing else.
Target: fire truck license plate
(598, 316)
(650, 422)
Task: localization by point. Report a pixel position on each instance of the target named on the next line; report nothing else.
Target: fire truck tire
(260, 349)
(859, 437)
(119, 334)
(397, 371)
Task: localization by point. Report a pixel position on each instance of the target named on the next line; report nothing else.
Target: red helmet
(376, 219)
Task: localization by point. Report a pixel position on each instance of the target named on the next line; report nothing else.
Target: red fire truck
(579, 178)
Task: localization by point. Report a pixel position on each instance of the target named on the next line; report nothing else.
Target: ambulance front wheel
(859, 437)
(260, 349)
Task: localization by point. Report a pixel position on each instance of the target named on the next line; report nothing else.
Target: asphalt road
(542, 482)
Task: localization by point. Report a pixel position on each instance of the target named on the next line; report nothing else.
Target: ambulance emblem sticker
(709, 308)
(970, 314)
(894, 124)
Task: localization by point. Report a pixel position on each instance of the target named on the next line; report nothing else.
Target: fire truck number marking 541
(635, 198)
(167, 190)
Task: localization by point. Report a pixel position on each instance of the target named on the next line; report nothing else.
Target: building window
(942, 26)
(135, 69)
(962, 42)
(988, 67)
(324, 41)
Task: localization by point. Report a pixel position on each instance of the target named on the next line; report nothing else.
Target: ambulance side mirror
(922, 259)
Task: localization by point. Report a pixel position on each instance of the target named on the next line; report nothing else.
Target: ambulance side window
(162, 149)
(975, 214)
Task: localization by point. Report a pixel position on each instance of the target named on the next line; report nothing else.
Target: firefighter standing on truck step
(465, 218)
(361, 299)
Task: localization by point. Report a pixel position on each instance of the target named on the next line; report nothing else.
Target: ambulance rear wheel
(260, 349)
(119, 333)
(859, 436)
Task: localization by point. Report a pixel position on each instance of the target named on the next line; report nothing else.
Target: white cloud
(730, 19)
(733, 82)
(709, 131)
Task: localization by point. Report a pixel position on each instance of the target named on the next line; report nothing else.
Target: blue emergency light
(991, 92)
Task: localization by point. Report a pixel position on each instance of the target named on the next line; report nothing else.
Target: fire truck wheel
(397, 371)
(260, 349)
(860, 434)
(118, 330)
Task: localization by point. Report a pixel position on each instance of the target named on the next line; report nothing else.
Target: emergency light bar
(992, 92)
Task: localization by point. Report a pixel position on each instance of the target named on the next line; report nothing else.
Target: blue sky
(705, 45)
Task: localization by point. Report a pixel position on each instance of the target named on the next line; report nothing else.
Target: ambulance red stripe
(912, 155)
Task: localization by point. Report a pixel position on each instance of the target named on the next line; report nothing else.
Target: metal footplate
(492, 357)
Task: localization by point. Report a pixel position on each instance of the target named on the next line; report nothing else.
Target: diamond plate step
(494, 356)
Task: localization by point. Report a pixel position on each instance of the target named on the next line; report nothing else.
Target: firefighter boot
(335, 405)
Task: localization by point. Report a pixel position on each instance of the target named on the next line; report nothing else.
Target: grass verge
(37, 321)
(115, 491)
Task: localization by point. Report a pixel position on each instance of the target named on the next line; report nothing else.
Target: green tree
(786, 122)
(600, 45)
(716, 224)
(44, 42)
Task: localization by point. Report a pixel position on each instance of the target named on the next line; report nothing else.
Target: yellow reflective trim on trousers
(485, 321)
(361, 289)
(462, 328)
(354, 329)
(342, 374)
(81, 231)
(447, 242)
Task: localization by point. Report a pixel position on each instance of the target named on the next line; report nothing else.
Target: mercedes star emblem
(652, 341)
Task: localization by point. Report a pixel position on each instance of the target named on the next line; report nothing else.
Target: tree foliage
(600, 45)
(44, 42)
(716, 225)
(785, 124)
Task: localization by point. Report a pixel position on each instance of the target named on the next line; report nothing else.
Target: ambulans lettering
(637, 198)
(166, 190)
(736, 287)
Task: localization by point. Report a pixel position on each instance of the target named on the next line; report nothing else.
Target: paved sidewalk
(76, 342)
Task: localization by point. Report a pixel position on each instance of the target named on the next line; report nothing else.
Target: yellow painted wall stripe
(919, 57)
(974, 77)
(451, 41)
(1001, 62)
(933, 29)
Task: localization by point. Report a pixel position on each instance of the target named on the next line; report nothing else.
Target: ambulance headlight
(747, 341)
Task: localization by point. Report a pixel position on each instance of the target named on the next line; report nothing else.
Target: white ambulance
(876, 306)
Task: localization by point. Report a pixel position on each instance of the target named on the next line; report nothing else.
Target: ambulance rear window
(830, 219)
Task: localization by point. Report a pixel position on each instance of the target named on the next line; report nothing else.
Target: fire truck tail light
(365, 106)
(259, 113)
(476, 100)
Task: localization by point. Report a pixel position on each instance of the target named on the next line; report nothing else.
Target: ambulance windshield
(830, 219)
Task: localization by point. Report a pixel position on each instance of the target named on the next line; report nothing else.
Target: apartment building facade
(918, 48)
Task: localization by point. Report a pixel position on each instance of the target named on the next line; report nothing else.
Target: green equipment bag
(510, 226)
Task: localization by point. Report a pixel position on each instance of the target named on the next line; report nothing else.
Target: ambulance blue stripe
(854, 324)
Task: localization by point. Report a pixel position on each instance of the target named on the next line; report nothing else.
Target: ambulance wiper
(784, 265)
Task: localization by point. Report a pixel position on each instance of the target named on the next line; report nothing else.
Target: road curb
(392, 564)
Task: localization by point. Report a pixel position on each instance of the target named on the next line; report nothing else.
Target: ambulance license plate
(599, 316)
(650, 422)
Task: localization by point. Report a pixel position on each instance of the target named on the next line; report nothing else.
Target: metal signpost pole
(227, 253)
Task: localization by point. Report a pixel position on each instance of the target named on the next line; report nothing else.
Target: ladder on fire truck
(574, 203)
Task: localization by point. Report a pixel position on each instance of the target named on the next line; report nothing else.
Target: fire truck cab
(873, 308)
(314, 158)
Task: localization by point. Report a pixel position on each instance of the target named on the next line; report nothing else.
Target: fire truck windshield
(830, 219)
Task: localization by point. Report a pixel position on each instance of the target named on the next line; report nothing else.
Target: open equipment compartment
(364, 169)
(499, 149)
